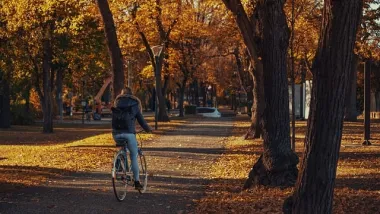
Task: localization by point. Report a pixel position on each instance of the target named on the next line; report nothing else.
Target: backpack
(120, 118)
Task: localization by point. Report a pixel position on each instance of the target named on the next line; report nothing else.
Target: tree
(247, 26)
(160, 14)
(113, 47)
(41, 27)
(5, 111)
(5, 74)
(277, 165)
(331, 67)
(47, 95)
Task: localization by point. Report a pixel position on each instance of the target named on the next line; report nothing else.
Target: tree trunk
(180, 100)
(5, 105)
(113, 47)
(162, 113)
(351, 112)
(248, 30)
(332, 64)
(47, 106)
(27, 99)
(277, 166)
(196, 93)
(258, 106)
(58, 95)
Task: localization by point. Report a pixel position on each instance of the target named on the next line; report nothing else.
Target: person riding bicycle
(123, 127)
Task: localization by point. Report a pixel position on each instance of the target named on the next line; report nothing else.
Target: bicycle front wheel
(143, 172)
(119, 175)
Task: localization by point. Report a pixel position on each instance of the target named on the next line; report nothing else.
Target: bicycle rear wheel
(120, 179)
(143, 172)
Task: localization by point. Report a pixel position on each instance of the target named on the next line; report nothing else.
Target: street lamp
(156, 52)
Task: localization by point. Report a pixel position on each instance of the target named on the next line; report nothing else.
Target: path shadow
(64, 133)
(14, 177)
(93, 193)
(185, 150)
(358, 156)
(93, 146)
(369, 182)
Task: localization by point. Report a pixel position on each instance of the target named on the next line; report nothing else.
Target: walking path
(178, 166)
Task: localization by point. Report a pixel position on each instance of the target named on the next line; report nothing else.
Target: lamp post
(156, 52)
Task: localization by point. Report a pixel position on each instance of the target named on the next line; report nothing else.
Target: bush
(20, 117)
(190, 109)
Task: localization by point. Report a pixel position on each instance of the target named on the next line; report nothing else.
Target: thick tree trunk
(5, 105)
(278, 163)
(47, 106)
(162, 113)
(113, 47)
(351, 112)
(166, 84)
(315, 186)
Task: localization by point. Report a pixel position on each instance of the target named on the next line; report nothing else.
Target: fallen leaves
(357, 184)
(30, 158)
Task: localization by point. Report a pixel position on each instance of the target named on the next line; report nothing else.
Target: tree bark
(350, 111)
(162, 113)
(278, 163)
(331, 67)
(47, 106)
(258, 106)
(5, 104)
(113, 47)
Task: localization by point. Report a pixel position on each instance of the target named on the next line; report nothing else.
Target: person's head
(126, 90)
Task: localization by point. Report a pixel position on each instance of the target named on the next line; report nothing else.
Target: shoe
(138, 185)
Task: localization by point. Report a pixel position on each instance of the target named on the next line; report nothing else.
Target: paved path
(178, 163)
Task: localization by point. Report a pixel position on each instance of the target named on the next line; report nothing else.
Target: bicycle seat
(123, 143)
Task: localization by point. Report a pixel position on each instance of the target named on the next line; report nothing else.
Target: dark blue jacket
(133, 104)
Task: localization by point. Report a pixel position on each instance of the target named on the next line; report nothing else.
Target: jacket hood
(132, 100)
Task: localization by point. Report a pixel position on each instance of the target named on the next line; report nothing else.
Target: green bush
(20, 117)
(190, 109)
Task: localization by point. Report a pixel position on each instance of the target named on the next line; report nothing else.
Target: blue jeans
(133, 150)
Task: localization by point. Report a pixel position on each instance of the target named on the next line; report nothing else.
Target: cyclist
(130, 105)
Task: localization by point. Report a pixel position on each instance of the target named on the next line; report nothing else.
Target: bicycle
(122, 175)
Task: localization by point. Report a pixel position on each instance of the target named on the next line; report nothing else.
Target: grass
(357, 185)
